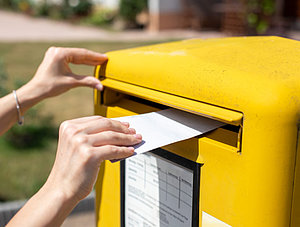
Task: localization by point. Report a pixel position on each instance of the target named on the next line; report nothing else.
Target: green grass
(23, 172)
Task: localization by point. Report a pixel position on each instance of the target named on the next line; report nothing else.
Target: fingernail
(131, 149)
(138, 136)
(125, 123)
(132, 131)
(104, 55)
(99, 87)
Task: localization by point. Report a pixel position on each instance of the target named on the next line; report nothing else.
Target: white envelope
(167, 126)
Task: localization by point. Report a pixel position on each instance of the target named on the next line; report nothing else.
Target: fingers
(99, 138)
(83, 56)
(104, 124)
(77, 56)
(97, 124)
(88, 81)
(110, 152)
(114, 138)
(55, 77)
(83, 119)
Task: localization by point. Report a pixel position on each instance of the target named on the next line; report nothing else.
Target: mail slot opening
(228, 135)
(121, 103)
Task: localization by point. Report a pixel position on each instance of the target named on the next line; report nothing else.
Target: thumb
(88, 81)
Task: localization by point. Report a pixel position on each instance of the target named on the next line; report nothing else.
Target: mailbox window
(159, 188)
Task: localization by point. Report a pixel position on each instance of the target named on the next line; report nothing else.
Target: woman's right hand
(83, 144)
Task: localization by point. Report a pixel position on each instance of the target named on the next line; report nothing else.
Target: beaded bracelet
(21, 118)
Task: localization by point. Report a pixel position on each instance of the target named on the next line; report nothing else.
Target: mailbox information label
(158, 192)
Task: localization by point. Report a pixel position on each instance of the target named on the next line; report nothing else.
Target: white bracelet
(21, 118)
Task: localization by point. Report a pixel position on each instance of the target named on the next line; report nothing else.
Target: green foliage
(37, 130)
(129, 9)
(81, 7)
(42, 8)
(101, 17)
(67, 9)
(3, 79)
(70, 9)
(25, 6)
(5, 3)
(35, 133)
(260, 14)
(23, 173)
(22, 5)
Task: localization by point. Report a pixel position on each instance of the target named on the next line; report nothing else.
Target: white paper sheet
(167, 126)
(158, 192)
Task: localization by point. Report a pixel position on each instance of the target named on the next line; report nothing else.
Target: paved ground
(82, 215)
(18, 27)
(84, 219)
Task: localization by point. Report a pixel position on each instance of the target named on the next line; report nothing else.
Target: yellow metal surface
(255, 77)
(206, 110)
(295, 221)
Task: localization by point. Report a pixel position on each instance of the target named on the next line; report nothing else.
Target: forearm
(48, 207)
(52, 78)
(27, 98)
(83, 144)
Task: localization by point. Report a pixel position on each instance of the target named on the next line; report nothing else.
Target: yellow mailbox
(250, 168)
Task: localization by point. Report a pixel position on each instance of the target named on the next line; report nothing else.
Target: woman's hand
(52, 78)
(54, 75)
(83, 144)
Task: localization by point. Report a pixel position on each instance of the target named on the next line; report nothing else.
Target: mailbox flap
(192, 106)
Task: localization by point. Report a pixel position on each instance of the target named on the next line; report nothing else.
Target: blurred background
(235, 17)
(29, 27)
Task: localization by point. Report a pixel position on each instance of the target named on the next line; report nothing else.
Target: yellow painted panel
(295, 218)
(192, 106)
(108, 195)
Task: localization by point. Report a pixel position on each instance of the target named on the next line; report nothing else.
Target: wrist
(48, 207)
(58, 188)
(29, 95)
(61, 202)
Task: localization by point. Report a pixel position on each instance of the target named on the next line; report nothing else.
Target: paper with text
(158, 192)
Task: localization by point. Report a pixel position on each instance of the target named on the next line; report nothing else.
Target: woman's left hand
(54, 75)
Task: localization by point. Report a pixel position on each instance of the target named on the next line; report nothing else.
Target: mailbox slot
(121, 101)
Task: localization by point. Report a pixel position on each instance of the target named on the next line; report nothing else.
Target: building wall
(165, 14)
(164, 6)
